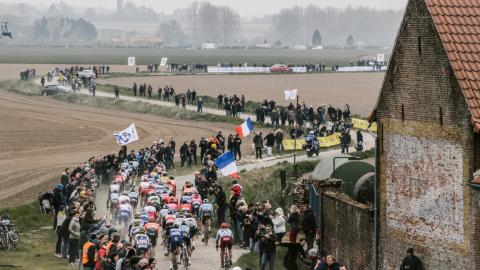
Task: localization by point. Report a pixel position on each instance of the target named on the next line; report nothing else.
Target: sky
(244, 7)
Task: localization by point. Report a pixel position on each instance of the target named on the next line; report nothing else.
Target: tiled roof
(458, 22)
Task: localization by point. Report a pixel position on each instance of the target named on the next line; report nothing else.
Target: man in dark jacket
(183, 153)
(270, 138)
(56, 202)
(332, 264)
(292, 253)
(78, 169)
(98, 172)
(65, 177)
(220, 100)
(267, 245)
(168, 156)
(345, 140)
(309, 225)
(411, 262)
(222, 204)
(65, 234)
(283, 115)
(203, 187)
(203, 147)
(273, 118)
(359, 135)
(258, 141)
(258, 113)
(279, 140)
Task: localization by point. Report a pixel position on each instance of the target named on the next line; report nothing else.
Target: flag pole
(295, 149)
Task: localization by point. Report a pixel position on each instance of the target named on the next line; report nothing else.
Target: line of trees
(63, 29)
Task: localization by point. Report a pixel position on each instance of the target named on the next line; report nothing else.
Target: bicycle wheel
(6, 242)
(15, 238)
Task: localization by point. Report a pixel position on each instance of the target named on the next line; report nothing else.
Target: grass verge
(28, 88)
(364, 154)
(37, 239)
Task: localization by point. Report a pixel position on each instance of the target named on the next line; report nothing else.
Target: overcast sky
(250, 7)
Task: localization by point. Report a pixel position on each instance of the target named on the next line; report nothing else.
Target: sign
(163, 62)
(323, 142)
(131, 61)
(363, 124)
(380, 57)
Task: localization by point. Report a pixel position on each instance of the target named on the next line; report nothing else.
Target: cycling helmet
(237, 268)
(124, 202)
(214, 146)
(125, 161)
(184, 202)
(115, 191)
(188, 215)
(311, 133)
(165, 206)
(164, 190)
(145, 172)
(185, 211)
(136, 223)
(172, 177)
(123, 169)
(131, 163)
(142, 231)
(224, 225)
(116, 238)
(175, 225)
(170, 211)
(125, 192)
(187, 182)
(144, 180)
(114, 182)
(149, 203)
(151, 219)
(205, 201)
(133, 189)
(165, 173)
(184, 222)
(137, 216)
(171, 194)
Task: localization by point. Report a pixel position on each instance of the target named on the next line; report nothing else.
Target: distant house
(360, 45)
(428, 116)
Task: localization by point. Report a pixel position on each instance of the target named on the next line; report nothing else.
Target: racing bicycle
(226, 259)
(205, 234)
(185, 256)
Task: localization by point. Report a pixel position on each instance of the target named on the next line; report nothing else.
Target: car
(317, 48)
(86, 73)
(279, 68)
(55, 89)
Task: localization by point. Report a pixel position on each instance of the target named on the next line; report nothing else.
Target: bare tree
(231, 24)
(193, 16)
(171, 32)
(209, 22)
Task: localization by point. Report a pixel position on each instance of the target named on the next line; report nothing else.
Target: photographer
(258, 238)
(252, 224)
(269, 248)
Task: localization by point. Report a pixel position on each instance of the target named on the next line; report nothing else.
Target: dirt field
(359, 90)
(42, 136)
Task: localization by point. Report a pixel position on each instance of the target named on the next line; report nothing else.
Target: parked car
(86, 73)
(317, 48)
(55, 89)
(280, 68)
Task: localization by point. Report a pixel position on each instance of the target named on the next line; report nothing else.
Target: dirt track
(42, 136)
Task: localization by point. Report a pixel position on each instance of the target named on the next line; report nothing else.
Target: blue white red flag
(244, 129)
(126, 136)
(227, 165)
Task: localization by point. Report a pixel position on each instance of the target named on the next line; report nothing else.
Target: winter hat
(61, 208)
(59, 186)
(410, 250)
(312, 252)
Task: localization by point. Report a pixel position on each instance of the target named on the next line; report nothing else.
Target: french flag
(244, 129)
(227, 165)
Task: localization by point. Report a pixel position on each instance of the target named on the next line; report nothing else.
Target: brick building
(428, 116)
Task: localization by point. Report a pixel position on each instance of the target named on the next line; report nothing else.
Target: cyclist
(145, 176)
(185, 206)
(141, 243)
(133, 199)
(195, 204)
(137, 225)
(112, 202)
(186, 235)
(153, 230)
(119, 179)
(187, 185)
(163, 213)
(144, 215)
(132, 171)
(123, 213)
(174, 243)
(173, 206)
(159, 189)
(170, 219)
(154, 199)
(192, 223)
(143, 189)
(164, 177)
(135, 218)
(152, 212)
(187, 195)
(226, 240)
(172, 198)
(206, 215)
(124, 197)
(114, 186)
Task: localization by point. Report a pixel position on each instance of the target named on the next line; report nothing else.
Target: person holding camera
(258, 237)
(269, 248)
(411, 262)
(252, 223)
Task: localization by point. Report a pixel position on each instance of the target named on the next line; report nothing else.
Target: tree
(317, 38)
(350, 40)
(279, 43)
(90, 14)
(193, 19)
(170, 32)
(52, 10)
(132, 33)
(209, 22)
(22, 10)
(231, 24)
(265, 41)
(41, 30)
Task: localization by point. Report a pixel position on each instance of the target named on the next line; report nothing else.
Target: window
(403, 113)
(441, 116)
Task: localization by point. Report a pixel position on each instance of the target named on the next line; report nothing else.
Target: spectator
(316, 261)
(200, 104)
(270, 138)
(411, 262)
(309, 225)
(65, 177)
(56, 202)
(293, 250)
(279, 139)
(74, 230)
(279, 223)
(258, 141)
(345, 140)
(332, 264)
(252, 224)
(293, 220)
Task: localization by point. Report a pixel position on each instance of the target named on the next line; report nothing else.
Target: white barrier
(250, 70)
(349, 69)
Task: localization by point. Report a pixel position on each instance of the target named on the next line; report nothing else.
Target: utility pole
(295, 149)
(224, 33)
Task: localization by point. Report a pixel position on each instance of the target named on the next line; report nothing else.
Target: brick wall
(426, 154)
(347, 231)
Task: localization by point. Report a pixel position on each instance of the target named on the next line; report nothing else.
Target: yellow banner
(363, 124)
(324, 142)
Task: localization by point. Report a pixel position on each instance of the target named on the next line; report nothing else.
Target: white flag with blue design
(126, 136)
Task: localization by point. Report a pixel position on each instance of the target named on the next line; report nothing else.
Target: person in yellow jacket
(89, 255)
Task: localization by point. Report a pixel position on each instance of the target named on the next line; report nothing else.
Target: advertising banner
(131, 61)
(163, 62)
